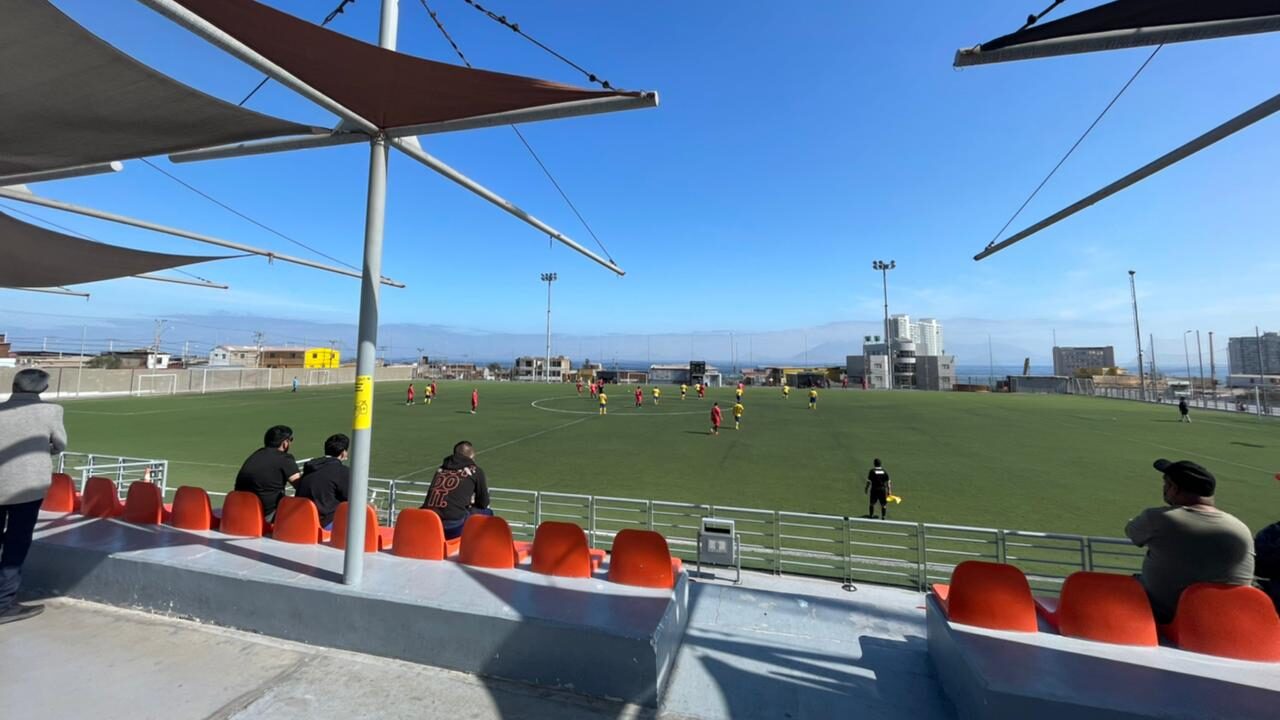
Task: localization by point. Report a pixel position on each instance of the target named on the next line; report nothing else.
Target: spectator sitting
(268, 469)
(1267, 546)
(326, 481)
(1189, 540)
(458, 490)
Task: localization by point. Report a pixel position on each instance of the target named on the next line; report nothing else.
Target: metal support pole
(1186, 355)
(1200, 359)
(1213, 368)
(1262, 371)
(548, 278)
(1137, 335)
(367, 335)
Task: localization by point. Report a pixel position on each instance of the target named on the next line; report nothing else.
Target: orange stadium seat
(642, 558)
(375, 538)
(487, 542)
(242, 515)
(1105, 607)
(560, 548)
(989, 595)
(1233, 621)
(61, 495)
(297, 521)
(100, 499)
(419, 534)
(192, 510)
(143, 504)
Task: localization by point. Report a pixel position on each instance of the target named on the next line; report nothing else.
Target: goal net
(166, 384)
(318, 377)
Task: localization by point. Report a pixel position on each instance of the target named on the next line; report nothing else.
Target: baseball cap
(1188, 476)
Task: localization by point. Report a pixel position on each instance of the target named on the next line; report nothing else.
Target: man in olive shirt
(1189, 540)
(268, 469)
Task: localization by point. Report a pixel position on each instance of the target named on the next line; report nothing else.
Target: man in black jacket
(878, 488)
(326, 481)
(266, 472)
(458, 490)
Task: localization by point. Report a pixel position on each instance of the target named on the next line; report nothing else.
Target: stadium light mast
(1137, 336)
(1187, 355)
(548, 278)
(884, 268)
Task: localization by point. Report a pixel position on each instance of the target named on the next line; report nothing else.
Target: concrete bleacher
(511, 624)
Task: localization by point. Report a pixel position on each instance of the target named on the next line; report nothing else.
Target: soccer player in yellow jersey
(737, 416)
(604, 402)
(684, 390)
(426, 394)
(657, 394)
(739, 393)
(813, 398)
(786, 391)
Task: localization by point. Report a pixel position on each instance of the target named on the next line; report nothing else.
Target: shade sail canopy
(1129, 23)
(33, 257)
(386, 88)
(68, 99)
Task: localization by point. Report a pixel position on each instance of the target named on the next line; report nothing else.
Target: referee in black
(879, 488)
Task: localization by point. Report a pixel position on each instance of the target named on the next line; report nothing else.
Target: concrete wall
(70, 383)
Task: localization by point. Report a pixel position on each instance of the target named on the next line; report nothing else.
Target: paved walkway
(771, 648)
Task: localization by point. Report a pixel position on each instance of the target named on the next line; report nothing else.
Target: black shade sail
(31, 256)
(1129, 23)
(69, 99)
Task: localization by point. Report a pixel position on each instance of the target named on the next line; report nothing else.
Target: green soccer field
(1050, 463)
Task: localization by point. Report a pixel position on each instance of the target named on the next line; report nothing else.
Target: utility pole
(1186, 355)
(258, 337)
(1200, 359)
(548, 278)
(1137, 335)
(1151, 345)
(884, 268)
(1213, 369)
(1262, 371)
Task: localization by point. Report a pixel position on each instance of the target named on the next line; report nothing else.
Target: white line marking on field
(1185, 451)
(500, 445)
(619, 411)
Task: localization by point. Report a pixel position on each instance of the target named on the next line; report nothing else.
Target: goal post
(157, 384)
(318, 377)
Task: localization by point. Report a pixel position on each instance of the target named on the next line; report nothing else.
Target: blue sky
(794, 144)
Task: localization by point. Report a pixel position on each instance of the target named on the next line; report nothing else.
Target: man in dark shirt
(879, 488)
(326, 481)
(268, 469)
(1184, 411)
(458, 490)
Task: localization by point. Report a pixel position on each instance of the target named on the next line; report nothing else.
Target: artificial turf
(1031, 462)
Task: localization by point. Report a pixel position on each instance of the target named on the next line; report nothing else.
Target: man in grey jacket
(31, 433)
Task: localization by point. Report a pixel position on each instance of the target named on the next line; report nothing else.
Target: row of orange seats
(1233, 621)
(640, 557)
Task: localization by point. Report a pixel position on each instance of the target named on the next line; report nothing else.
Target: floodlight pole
(1137, 336)
(1186, 354)
(884, 268)
(1200, 358)
(548, 278)
(367, 335)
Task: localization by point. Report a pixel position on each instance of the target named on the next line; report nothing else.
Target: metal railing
(850, 549)
(123, 470)
(886, 552)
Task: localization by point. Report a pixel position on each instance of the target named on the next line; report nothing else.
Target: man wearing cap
(1188, 540)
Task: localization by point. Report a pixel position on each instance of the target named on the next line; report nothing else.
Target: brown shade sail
(69, 99)
(389, 89)
(33, 257)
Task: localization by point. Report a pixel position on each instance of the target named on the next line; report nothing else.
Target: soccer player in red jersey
(579, 388)
(639, 397)
(409, 401)
(475, 400)
(715, 419)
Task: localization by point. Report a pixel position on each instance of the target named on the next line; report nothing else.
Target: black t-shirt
(325, 482)
(458, 486)
(265, 474)
(879, 479)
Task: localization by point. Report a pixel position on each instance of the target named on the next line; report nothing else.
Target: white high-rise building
(927, 335)
(900, 327)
